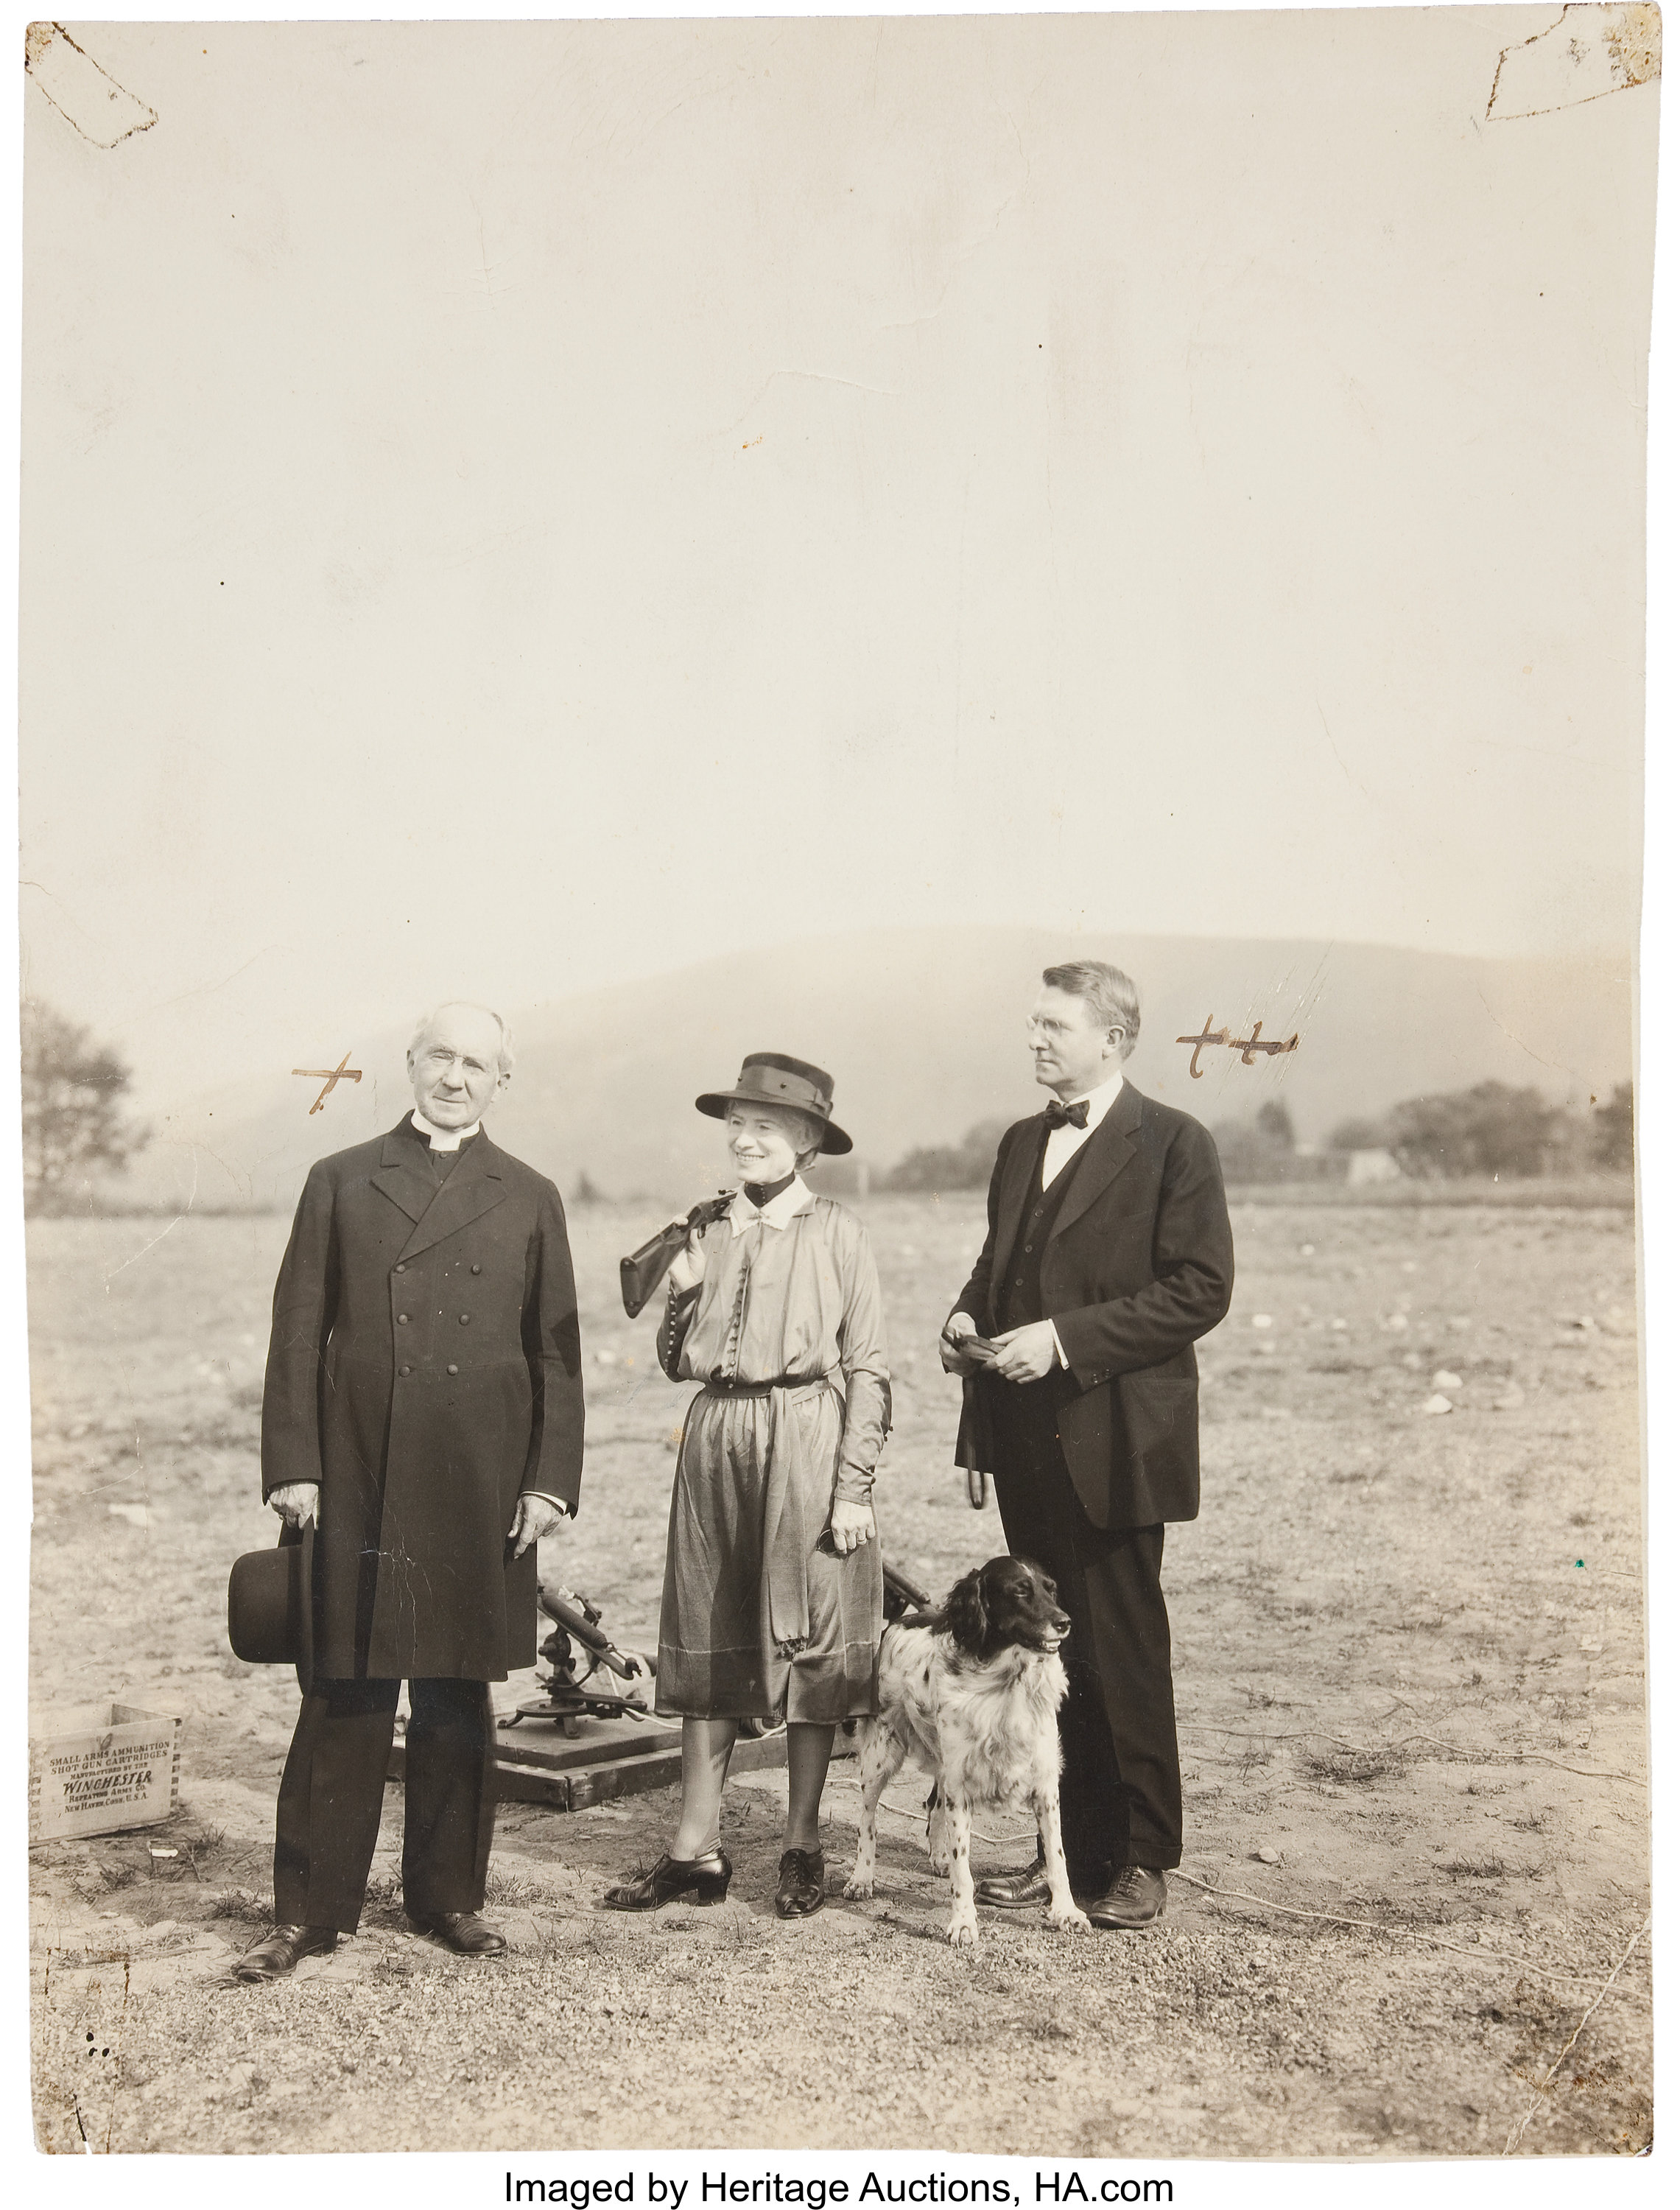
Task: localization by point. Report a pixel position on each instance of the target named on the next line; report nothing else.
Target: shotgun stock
(641, 1274)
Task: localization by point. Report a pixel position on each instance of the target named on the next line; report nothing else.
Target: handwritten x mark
(342, 1072)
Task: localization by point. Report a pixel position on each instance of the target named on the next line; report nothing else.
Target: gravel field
(1409, 1645)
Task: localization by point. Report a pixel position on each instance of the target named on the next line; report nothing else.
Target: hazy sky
(510, 509)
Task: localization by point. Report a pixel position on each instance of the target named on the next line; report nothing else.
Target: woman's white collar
(776, 1214)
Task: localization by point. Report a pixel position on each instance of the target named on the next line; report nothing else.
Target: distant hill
(924, 1030)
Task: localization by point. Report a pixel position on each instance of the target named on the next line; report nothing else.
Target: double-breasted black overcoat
(425, 1369)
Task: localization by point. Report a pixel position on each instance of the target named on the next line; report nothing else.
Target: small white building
(1366, 1168)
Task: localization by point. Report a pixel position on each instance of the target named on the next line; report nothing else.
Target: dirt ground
(1409, 1649)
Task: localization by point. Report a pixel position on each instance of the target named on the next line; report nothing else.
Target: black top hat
(270, 1604)
(767, 1077)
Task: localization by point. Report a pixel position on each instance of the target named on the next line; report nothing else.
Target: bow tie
(1068, 1116)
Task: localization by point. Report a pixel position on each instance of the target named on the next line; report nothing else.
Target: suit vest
(1022, 1299)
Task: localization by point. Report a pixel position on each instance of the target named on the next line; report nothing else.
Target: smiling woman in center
(772, 1607)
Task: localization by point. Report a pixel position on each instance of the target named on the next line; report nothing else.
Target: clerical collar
(441, 1139)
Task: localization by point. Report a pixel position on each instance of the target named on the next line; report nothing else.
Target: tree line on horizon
(74, 1128)
(1490, 1129)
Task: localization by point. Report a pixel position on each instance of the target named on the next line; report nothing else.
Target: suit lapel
(436, 1211)
(1107, 1153)
(1018, 1173)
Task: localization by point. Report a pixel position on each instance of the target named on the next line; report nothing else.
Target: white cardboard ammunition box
(102, 1767)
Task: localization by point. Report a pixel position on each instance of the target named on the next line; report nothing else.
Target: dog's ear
(966, 1617)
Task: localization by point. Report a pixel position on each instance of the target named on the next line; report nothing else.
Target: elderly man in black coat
(423, 1405)
(1107, 1254)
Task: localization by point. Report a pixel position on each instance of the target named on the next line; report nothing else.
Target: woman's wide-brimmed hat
(767, 1077)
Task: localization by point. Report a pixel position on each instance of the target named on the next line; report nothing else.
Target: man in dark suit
(424, 1405)
(1107, 1254)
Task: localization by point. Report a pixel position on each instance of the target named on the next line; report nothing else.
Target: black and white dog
(971, 1696)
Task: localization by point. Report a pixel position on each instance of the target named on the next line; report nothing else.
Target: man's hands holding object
(1021, 1353)
(535, 1516)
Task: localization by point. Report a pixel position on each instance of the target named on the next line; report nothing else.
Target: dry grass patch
(1345, 1767)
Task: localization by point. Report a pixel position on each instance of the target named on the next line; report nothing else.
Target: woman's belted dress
(761, 1617)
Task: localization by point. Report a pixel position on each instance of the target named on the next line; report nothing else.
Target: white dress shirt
(441, 1139)
(1062, 1142)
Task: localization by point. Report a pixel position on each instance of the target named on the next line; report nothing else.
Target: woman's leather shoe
(277, 1953)
(463, 1931)
(799, 1889)
(707, 1879)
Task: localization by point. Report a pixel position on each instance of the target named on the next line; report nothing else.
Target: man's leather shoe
(1136, 1894)
(463, 1931)
(277, 1953)
(799, 1877)
(1026, 1890)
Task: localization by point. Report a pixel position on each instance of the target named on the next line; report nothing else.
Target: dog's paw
(1073, 1920)
(859, 1887)
(965, 1933)
(941, 1862)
